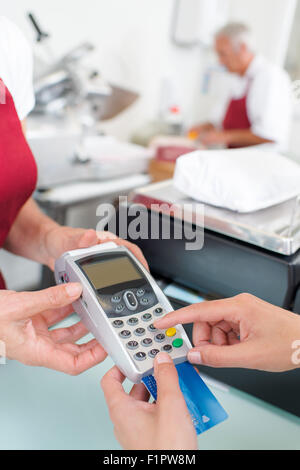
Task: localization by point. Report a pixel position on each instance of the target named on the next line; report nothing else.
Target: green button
(177, 343)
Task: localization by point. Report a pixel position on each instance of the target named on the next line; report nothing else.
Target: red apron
(236, 117)
(18, 171)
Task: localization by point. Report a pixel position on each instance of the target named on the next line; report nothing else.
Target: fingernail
(74, 290)
(163, 358)
(195, 357)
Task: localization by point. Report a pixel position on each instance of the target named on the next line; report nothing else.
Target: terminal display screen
(110, 272)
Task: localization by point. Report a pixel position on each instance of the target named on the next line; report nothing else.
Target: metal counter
(276, 229)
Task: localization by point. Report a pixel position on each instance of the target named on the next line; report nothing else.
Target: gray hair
(238, 33)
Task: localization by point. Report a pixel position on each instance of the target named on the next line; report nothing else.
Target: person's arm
(245, 138)
(140, 425)
(37, 237)
(200, 129)
(28, 234)
(237, 138)
(243, 332)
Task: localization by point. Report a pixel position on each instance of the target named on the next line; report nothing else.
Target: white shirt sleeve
(270, 106)
(222, 87)
(218, 111)
(16, 66)
(269, 103)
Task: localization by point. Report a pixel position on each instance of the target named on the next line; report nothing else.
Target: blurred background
(155, 58)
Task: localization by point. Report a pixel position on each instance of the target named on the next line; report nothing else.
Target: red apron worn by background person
(18, 171)
(236, 117)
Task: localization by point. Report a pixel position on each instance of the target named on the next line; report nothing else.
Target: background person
(256, 108)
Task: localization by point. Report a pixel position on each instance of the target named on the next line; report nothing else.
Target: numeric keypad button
(147, 342)
(140, 356)
(147, 317)
(160, 337)
(153, 353)
(132, 345)
(125, 334)
(152, 328)
(158, 312)
(140, 331)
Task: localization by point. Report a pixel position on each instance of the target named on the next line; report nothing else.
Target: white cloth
(269, 102)
(16, 66)
(242, 180)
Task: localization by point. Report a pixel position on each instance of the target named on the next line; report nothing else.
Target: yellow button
(171, 332)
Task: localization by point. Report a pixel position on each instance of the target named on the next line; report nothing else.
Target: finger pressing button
(151, 328)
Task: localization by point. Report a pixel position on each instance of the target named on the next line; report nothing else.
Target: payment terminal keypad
(143, 341)
(129, 302)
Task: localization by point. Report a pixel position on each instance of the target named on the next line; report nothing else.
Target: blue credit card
(205, 410)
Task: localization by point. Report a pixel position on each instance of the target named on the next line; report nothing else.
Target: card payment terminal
(119, 304)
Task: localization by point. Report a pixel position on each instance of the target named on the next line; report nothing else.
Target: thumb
(166, 376)
(87, 239)
(78, 239)
(238, 355)
(28, 304)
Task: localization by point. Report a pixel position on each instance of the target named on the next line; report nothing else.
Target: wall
(132, 39)
(271, 20)
(293, 58)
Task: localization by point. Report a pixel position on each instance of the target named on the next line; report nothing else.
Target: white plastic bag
(240, 180)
